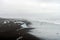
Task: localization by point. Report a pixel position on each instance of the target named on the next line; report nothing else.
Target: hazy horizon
(43, 9)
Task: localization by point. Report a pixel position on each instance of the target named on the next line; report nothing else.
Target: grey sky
(29, 8)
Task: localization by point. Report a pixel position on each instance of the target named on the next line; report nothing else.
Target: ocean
(47, 30)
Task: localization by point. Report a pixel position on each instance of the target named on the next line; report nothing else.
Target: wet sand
(31, 37)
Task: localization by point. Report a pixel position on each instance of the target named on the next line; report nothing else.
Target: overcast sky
(30, 8)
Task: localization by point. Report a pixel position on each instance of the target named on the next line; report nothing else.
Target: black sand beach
(25, 37)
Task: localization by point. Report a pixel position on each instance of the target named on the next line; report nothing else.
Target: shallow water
(47, 31)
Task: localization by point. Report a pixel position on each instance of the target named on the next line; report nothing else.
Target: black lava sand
(25, 37)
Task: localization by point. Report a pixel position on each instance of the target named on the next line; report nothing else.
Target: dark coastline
(25, 37)
(8, 31)
(24, 33)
